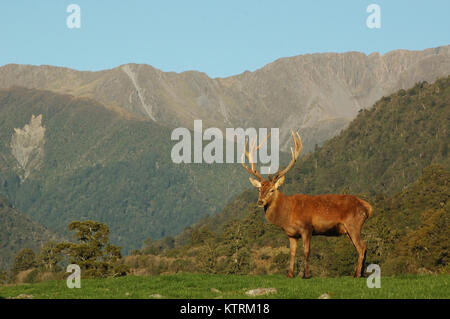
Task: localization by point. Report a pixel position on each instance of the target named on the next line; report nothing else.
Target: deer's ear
(279, 182)
(254, 182)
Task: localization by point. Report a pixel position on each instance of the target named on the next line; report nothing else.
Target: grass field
(234, 286)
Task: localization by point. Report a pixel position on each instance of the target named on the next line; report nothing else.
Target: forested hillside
(394, 155)
(18, 231)
(64, 158)
(383, 150)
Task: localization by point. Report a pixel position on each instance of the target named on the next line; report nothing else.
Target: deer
(303, 216)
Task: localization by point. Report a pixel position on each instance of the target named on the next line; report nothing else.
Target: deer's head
(268, 188)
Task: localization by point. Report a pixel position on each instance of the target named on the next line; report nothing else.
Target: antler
(295, 153)
(253, 171)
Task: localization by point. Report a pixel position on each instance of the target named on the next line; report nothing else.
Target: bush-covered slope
(410, 231)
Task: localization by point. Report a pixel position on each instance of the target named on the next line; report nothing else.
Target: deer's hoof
(290, 275)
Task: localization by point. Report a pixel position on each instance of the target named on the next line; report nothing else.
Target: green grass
(233, 286)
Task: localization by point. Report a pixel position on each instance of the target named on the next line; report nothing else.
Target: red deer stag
(303, 215)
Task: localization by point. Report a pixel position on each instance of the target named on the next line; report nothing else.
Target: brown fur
(309, 215)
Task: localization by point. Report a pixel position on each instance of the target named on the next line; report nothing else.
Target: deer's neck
(277, 211)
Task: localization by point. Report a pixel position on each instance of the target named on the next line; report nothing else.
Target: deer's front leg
(293, 249)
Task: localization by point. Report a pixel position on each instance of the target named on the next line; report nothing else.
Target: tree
(236, 248)
(207, 257)
(95, 256)
(200, 235)
(50, 256)
(3, 276)
(25, 259)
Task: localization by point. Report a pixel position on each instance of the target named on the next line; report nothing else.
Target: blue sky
(220, 38)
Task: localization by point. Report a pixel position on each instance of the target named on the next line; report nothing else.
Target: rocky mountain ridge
(317, 94)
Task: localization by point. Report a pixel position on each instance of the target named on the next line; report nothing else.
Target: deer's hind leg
(306, 240)
(354, 233)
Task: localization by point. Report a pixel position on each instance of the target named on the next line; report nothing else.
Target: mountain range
(317, 94)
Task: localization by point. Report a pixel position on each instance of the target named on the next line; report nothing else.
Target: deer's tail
(367, 206)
